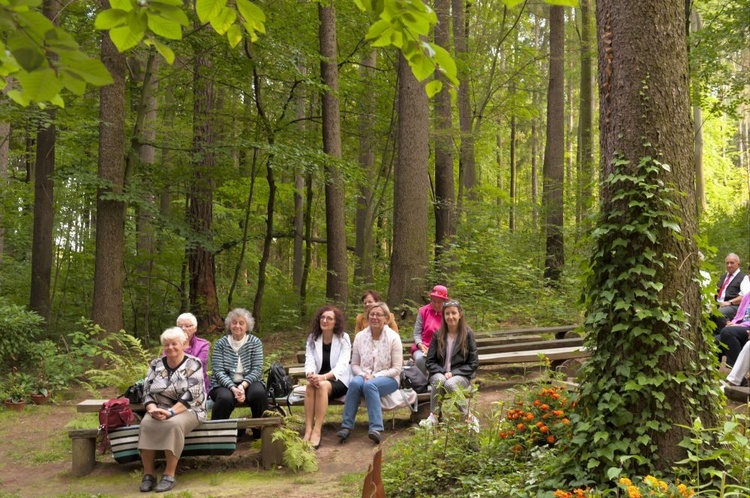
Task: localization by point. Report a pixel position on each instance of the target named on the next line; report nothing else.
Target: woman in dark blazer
(452, 361)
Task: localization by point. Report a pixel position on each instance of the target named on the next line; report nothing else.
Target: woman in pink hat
(429, 319)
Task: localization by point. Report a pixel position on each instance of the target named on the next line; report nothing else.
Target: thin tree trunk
(410, 261)
(110, 213)
(4, 150)
(554, 154)
(41, 247)
(586, 167)
(299, 205)
(700, 182)
(336, 268)
(513, 175)
(445, 197)
(363, 275)
(467, 175)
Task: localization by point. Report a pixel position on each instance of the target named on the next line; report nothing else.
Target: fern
(125, 362)
(298, 454)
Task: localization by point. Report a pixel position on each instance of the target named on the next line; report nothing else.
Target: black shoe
(166, 483)
(343, 434)
(376, 437)
(744, 382)
(147, 483)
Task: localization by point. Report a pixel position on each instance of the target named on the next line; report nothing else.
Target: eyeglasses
(376, 315)
(450, 303)
(327, 319)
(186, 325)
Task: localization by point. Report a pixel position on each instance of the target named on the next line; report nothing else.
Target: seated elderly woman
(173, 395)
(195, 345)
(327, 368)
(237, 363)
(377, 359)
(452, 361)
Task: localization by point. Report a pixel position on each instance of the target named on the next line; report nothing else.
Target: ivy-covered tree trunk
(336, 266)
(651, 369)
(109, 259)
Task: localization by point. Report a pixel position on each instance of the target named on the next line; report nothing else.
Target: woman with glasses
(452, 361)
(428, 321)
(377, 360)
(195, 345)
(327, 368)
(369, 298)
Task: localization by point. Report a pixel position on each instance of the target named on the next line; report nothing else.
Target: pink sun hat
(440, 292)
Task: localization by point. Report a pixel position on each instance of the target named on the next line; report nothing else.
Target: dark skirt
(338, 389)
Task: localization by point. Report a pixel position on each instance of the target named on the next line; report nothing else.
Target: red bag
(113, 414)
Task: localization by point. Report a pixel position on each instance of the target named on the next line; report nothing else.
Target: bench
(532, 345)
(737, 393)
(212, 437)
(554, 355)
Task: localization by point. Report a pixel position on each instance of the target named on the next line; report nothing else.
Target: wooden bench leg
(83, 455)
(271, 452)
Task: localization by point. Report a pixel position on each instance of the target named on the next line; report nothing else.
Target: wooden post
(84, 451)
(272, 452)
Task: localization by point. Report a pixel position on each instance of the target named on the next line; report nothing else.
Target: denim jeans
(372, 390)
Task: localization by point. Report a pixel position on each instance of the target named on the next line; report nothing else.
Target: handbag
(413, 378)
(113, 414)
(134, 393)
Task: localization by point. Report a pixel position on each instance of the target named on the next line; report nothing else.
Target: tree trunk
(204, 303)
(363, 275)
(4, 151)
(41, 246)
(410, 258)
(652, 372)
(554, 152)
(110, 213)
(585, 154)
(299, 190)
(700, 182)
(336, 271)
(445, 197)
(512, 184)
(467, 175)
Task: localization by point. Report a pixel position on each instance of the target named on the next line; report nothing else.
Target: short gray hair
(173, 333)
(383, 307)
(189, 317)
(240, 312)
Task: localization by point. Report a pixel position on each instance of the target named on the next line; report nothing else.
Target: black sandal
(147, 483)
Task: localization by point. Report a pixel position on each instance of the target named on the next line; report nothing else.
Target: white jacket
(341, 353)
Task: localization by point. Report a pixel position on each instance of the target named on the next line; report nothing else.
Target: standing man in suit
(731, 287)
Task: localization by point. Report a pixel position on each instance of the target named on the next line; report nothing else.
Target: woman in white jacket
(327, 356)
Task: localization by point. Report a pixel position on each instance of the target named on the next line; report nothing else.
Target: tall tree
(109, 259)
(651, 371)
(41, 246)
(4, 150)
(554, 152)
(204, 302)
(410, 257)
(445, 197)
(700, 182)
(586, 168)
(466, 166)
(337, 271)
(363, 273)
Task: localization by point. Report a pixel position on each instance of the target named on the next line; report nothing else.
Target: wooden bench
(554, 354)
(532, 345)
(737, 393)
(210, 438)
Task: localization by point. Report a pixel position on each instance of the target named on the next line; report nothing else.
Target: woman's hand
(448, 375)
(239, 393)
(368, 377)
(423, 348)
(159, 414)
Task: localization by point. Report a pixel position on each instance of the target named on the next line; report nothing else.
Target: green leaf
(445, 63)
(165, 28)
(19, 97)
(165, 51)
(222, 21)
(167, 3)
(563, 3)
(72, 82)
(124, 38)
(175, 14)
(40, 86)
(512, 3)
(433, 87)
(138, 21)
(108, 19)
(126, 5)
(251, 12)
(92, 71)
(29, 58)
(207, 9)
(234, 35)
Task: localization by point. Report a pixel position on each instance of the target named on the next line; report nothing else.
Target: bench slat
(532, 345)
(532, 356)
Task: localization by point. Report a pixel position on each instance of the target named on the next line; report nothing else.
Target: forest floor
(35, 454)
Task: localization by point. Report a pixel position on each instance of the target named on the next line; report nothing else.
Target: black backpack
(279, 384)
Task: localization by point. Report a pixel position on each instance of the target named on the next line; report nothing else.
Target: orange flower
(550, 439)
(529, 416)
(503, 434)
(634, 492)
(558, 413)
(565, 421)
(517, 448)
(539, 424)
(537, 402)
(544, 429)
(520, 427)
(579, 493)
(562, 494)
(544, 407)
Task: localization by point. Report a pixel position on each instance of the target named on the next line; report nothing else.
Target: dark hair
(338, 326)
(463, 332)
(375, 295)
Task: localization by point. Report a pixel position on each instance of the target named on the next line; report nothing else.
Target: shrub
(20, 330)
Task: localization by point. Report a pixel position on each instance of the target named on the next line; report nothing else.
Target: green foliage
(625, 391)
(125, 360)
(41, 58)
(20, 330)
(299, 456)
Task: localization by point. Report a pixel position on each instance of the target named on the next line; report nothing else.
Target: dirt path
(35, 460)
